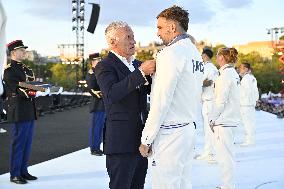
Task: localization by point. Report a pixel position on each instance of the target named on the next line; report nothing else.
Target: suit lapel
(119, 64)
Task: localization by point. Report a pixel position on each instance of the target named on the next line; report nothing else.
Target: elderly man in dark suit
(124, 83)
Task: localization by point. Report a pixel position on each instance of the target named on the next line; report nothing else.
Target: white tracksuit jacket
(175, 96)
(249, 96)
(210, 73)
(227, 97)
(226, 115)
(3, 20)
(249, 92)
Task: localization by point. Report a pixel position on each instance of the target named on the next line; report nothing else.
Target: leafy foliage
(144, 55)
(65, 75)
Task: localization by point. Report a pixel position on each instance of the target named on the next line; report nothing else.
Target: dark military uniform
(21, 106)
(21, 113)
(97, 111)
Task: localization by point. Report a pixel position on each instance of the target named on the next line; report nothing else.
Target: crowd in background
(272, 104)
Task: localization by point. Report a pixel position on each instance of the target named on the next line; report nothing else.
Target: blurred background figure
(96, 108)
(210, 75)
(3, 20)
(249, 97)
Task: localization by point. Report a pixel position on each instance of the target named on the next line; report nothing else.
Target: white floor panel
(258, 167)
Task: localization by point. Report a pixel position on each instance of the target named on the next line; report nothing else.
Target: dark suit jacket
(125, 104)
(20, 106)
(97, 104)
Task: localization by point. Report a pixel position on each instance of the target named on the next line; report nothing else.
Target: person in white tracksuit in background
(175, 96)
(249, 97)
(3, 20)
(210, 75)
(226, 114)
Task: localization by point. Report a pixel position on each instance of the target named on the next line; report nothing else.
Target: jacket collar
(221, 70)
(15, 62)
(119, 64)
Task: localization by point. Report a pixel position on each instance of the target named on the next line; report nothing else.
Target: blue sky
(43, 24)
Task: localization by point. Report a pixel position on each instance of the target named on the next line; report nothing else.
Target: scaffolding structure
(278, 45)
(74, 53)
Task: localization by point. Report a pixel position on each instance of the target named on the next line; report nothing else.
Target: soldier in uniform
(21, 112)
(96, 108)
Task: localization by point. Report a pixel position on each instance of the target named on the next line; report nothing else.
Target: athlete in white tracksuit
(226, 114)
(174, 100)
(249, 96)
(3, 20)
(209, 77)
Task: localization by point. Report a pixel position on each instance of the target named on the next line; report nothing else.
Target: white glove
(1, 87)
(45, 93)
(60, 90)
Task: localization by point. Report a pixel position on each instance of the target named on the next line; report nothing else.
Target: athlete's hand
(207, 83)
(145, 151)
(148, 67)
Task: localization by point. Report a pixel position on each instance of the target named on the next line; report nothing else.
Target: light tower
(78, 20)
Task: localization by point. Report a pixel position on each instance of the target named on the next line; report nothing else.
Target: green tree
(266, 71)
(65, 75)
(144, 55)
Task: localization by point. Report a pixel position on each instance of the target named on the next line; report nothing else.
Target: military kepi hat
(17, 44)
(94, 56)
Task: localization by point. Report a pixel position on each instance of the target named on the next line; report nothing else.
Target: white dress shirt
(129, 65)
(176, 88)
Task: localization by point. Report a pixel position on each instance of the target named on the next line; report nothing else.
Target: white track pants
(225, 155)
(172, 158)
(248, 120)
(207, 108)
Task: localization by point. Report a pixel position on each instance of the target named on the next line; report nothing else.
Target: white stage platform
(258, 167)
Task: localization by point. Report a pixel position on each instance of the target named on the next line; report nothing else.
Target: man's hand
(145, 151)
(97, 93)
(39, 93)
(148, 67)
(207, 83)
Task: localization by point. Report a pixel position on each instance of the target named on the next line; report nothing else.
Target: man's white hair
(110, 31)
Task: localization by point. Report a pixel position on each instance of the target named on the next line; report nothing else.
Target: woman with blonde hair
(226, 114)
